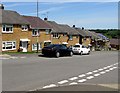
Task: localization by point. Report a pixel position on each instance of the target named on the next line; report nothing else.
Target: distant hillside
(110, 33)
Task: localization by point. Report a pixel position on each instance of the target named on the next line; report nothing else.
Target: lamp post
(37, 29)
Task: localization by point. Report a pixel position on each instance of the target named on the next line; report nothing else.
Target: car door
(63, 50)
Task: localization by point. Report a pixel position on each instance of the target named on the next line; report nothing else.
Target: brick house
(85, 36)
(63, 34)
(14, 29)
(40, 32)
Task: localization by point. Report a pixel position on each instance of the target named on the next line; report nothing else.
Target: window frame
(25, 27)
(55, 35)
(39, 46)
(38, 32)
(5, 26)
(7, 44)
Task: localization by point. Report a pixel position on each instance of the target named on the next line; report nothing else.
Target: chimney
(82, 28)
(73, 26)
(45, 19)
(1, 6)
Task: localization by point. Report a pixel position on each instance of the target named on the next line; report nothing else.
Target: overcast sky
(90, 15)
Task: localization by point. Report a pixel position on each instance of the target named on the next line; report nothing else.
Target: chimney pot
(45, 19)
(74, 26)
(1, 6)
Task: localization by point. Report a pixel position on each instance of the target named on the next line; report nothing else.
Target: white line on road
(96, 75)
(95, 71)
(89, 73)
(107, 70)
(50, 86)
(100, 69)
(73, 83)
(63, 81)
(90, 77)
(82, 75)
(73, 78)
(103, 72)
(82, 80)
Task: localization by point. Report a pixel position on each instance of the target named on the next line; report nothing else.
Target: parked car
(57, 50)
(80, 49)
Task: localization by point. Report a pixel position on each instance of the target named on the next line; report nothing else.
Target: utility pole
(37, 28)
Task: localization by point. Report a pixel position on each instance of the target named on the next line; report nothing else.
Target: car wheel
(81, 53)
(71, 53)
(57, 54)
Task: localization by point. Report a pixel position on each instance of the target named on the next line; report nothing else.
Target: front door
(24, 46)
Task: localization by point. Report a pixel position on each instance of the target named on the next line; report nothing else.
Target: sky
(90, 15)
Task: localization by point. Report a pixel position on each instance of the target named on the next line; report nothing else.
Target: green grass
(20, 52)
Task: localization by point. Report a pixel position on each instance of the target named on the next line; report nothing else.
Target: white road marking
(115, 67)
(49, 86)
(63, 81)
(103, 72)
(95, 71)
(73, 83)
(111, 69)
(96, 75)
(73, 78)
(100, 69)
(82, 80)
(89, 73)
(90, 77)
(82, 75)
(107, 70)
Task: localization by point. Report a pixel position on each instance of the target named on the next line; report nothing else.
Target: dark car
(57, 50)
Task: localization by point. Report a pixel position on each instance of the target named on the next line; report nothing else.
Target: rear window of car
(76, 46)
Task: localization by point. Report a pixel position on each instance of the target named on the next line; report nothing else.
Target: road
(30, 72)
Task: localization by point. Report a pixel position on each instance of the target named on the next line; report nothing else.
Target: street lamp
(37, 29)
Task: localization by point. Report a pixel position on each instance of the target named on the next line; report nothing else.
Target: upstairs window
(55, 35)
(70, 37)
(47, 31)
(7, 28)
(24, 28)
(35, 32)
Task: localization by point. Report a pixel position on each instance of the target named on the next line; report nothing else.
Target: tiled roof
(55, 27)
(115, 41)
(69, 30)
(37, 23)
(12, 17)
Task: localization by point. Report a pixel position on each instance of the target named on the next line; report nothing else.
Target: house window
(8, 45)
(7, 28)
(70, 37)
(55, 35)
(24, 28)
(47, 31)
(34, 46)
(35, 32)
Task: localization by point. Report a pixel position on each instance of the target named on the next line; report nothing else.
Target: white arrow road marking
(90, 77)
(63, 81)
(82, 75)
(73, 83)
(73, 78)
(49, 86)
(82, 80)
